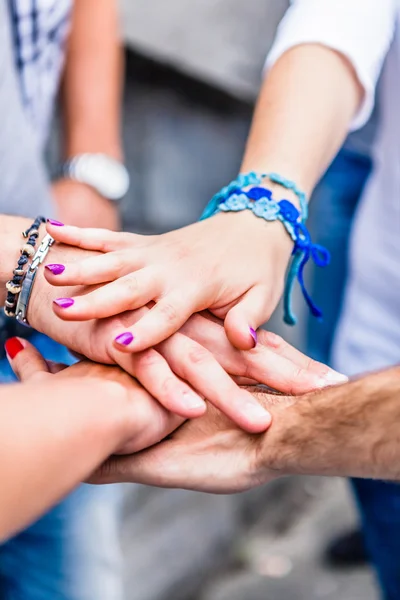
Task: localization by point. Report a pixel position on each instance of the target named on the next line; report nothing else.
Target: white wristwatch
(106, 175)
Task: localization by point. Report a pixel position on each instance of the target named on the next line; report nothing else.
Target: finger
(273, 362)
(160, 322)
(102, 240)
(156, 376)
(144, 467)
(93, 271)
(279, 346)
(127, 293)
(196, 365)
(25, 360)
(243, 320)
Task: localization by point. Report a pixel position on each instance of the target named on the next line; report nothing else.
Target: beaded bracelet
(27, 285)
(14, 286)
(245, 192)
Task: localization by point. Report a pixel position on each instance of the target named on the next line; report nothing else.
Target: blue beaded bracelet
(245, 193)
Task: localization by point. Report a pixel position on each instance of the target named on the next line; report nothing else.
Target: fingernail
(331, 378)
(64, 302)
(253, 334)
(124, 339)
(257, 412)
(55, 269)
(335, 377)
(192, 400)
(13, 346)
(55, 223)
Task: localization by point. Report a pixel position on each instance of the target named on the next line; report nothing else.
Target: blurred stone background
(193, 69)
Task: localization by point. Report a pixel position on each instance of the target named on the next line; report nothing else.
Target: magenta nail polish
(253, 334)
(55, 269)
(64, 302)
(55, 223)
(124, 339)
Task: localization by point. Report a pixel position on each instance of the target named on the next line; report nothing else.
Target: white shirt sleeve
(361, 30)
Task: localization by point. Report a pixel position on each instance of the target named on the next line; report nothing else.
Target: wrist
(260, 233)
(40, 312)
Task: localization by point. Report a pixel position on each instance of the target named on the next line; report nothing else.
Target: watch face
(108, 176)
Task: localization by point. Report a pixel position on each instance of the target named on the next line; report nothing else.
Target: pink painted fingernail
(124, 339)
(253, 334)
(55, 269)
(64, 302)
(55, 223)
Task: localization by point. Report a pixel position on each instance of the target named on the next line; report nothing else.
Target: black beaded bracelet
(14, 286)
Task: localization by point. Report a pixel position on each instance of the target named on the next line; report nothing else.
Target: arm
(91, 99)
(50, 440)
(348, 430)
(322, 74)
(55, 429)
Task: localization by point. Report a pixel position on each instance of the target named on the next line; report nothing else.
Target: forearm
(40, 313)
(92, 82)
(304, 110)
(52, 437)
(349, 430)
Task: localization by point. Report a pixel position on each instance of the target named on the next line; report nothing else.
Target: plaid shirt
(40, 29)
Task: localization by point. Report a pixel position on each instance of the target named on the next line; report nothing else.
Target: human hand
(80, 205)
(210, 454)
(231, 264)
(178, 373)
(133, 419)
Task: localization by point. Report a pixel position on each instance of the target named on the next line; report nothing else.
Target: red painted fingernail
(64, 302)
(124, 339)
(55, 223)
(55, 269)
(253, 334)
(13, 346)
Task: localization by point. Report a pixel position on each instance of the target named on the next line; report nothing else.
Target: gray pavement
(285, 564)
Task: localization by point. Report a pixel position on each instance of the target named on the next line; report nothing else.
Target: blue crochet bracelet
(245, 193)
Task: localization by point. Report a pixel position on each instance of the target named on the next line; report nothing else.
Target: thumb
(243, 320)
(25, 360)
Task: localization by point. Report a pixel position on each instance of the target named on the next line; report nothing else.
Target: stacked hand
(134, 420)
(232, 264)
(196, 363)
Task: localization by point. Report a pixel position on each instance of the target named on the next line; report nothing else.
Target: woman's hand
(231, 264)
(56, 429)
(141, 420)
(189, 366)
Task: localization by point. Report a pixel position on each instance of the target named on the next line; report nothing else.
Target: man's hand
(79, 204)
(210, 454)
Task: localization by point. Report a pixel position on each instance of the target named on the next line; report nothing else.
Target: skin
(91, 96)
(299, 124)
(57, 428)
(180, 372)
(349, 430)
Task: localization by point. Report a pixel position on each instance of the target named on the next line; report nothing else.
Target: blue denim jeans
(73, 552)
(333, 209)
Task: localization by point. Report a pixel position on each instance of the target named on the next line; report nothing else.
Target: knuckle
(273, 341)
(169, 312)
(197, 355)
(119, 262)
(130, 284)
(148, 359)
(168, 385)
